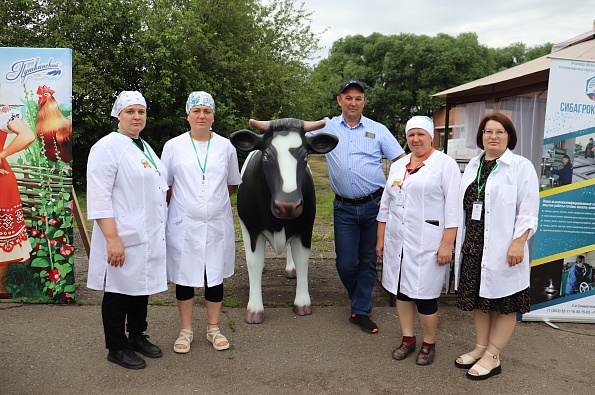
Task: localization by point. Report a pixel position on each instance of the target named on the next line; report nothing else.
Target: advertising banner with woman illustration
(36, 223)
(562, 277)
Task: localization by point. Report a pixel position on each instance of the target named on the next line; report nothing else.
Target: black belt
(361, 200)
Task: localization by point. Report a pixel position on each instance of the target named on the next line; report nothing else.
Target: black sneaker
(141, 344)
(364, 322)
(126, 358)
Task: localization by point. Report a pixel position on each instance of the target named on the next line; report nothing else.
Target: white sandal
(184, 339)
(468, 360)
(216, 338)
(483, 372)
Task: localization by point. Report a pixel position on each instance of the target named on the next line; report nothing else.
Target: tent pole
(446, 121)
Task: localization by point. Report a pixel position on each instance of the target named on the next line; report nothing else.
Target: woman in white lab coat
(126, 192)
(203, 173)
(416, 230)
(499, 208)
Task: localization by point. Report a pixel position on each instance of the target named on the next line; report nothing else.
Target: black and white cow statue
(277, 202)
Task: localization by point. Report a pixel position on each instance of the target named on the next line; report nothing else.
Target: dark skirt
(468, 298)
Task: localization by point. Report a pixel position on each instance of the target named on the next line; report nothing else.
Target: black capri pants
(212, 294)
(424, 306)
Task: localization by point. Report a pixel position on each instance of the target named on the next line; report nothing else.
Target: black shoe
(126, 358)
(141, 344)
(364, 322)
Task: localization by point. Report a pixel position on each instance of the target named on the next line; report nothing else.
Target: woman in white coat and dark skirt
(203, 173)
(126, 191)
(416, 231)
(499, 210)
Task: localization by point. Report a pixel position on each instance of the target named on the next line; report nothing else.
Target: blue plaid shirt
(355, 165)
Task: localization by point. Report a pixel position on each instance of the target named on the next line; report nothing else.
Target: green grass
(316, 237)
(324, 193)
(321, 248)
(81, 196)
(232, 326)
(231, 299)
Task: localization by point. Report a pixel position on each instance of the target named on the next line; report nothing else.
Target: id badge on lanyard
(476, 212)
(203, 188)
(478, 204)
(400, 197)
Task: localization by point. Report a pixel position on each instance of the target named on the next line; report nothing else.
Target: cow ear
(246, 140)
(322, 143)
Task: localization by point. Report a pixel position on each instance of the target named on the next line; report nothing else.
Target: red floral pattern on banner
(12, 228)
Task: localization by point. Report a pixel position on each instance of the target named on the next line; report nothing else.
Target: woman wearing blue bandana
(200, 234)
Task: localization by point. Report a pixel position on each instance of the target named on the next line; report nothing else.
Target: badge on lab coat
(203, 188)
(400, 197)
(476, 213)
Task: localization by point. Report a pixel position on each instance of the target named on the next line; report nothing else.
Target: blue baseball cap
(349, 83)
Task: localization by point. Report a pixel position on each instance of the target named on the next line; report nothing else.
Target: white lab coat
(122, 184)
(200, 231)
(432, 193)
(511, 207)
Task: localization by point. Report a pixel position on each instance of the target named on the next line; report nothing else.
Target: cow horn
(263, 126)
(314, 125)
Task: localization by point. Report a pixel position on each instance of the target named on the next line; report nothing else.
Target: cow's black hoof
(290, 273)
(254, 317)
(302, 310)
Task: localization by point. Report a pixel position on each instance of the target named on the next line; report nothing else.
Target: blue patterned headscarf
(200, 98)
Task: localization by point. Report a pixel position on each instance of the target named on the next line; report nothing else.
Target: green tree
(401, 72)
(106, 57)
(251, 56)
(517, 53)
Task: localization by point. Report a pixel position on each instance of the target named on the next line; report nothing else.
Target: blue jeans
(355, 247)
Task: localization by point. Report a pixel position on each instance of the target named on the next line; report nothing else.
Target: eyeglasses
(498, 133)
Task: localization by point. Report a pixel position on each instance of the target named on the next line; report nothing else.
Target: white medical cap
(420, 122)
(125, 99)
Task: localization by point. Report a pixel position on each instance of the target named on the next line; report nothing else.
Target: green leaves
(401, 72)
(249, 55)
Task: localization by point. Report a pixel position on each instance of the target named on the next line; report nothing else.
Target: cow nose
(283, 210)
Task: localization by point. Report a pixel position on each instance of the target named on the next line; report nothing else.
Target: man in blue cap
(357, 177)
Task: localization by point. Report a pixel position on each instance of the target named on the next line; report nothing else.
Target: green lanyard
(206, 156)
(147, 150)
(480, 187)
